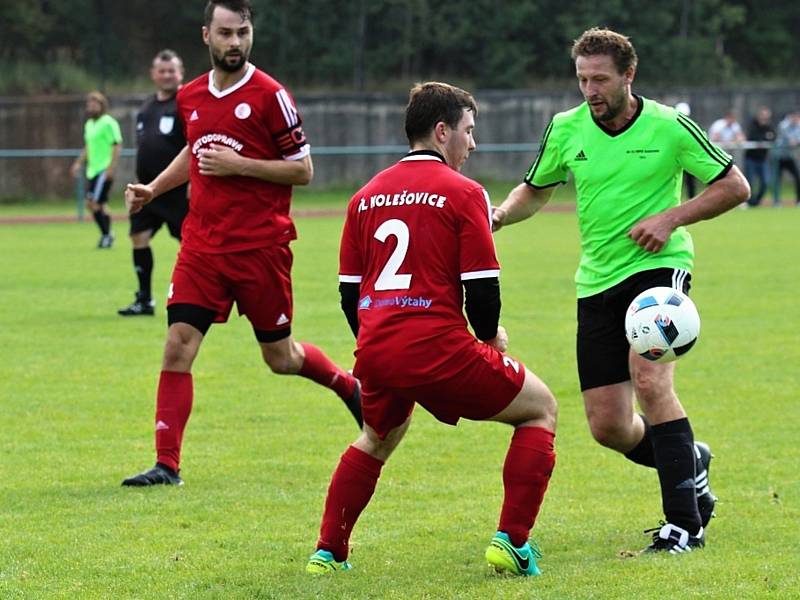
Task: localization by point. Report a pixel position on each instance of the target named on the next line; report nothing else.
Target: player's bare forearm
(116, 152)
(654, 232)
(221, 161)
(75, 169)
(176, 173)
(287, 172)
(521, 203)
(719, 197)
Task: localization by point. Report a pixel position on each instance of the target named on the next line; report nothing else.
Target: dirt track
(47, 219)
(43, 219)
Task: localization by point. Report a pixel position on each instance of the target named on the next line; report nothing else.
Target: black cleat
(671, 538)
(353, 404)
(706, 500)
(139, 307)
(159, 475)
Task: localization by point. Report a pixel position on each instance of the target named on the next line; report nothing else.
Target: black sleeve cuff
(722, 174)
(482, 305)
(543, 187)
(349, 302)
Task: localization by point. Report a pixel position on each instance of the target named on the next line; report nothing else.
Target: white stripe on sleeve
(287, 108)
(480, 274)
(349, 278)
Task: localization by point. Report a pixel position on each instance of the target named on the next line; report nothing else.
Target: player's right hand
(136, 196)
(498, 216)
(500, 341)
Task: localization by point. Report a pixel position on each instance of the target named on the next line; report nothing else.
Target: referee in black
(159, 138)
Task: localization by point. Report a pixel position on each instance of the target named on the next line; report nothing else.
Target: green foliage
(77, 385)
(28, 78)
(380, 44)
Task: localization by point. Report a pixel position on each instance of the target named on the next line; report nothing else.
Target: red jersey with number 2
(256, 118)
(411, 236)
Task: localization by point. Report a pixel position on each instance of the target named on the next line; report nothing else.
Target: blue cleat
(505, 557)
(322, 563)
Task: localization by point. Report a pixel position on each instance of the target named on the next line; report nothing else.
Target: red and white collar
(251, 68)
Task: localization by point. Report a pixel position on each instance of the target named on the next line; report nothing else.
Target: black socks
(643, 453)
(143, 265)
(673, 450)
(103, 221)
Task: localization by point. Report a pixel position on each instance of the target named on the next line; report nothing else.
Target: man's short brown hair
(433, 102)
(242, 7)
(597, 41)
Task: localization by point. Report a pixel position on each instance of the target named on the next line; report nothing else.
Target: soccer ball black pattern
(662, 324)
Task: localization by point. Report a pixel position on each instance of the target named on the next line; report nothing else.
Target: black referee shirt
(159, 137)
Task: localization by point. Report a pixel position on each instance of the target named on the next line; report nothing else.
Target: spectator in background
(102, 147)
(159, 139)
(726, 130)
(688, 180)
(756, 166)
(786, 146)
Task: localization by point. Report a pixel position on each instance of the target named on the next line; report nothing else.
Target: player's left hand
(500, 341)
(218, 161)
(653, 232)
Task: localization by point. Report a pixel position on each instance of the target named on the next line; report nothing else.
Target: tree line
(367, 45)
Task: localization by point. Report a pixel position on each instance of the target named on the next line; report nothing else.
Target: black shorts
(601, 343)
(169, 208)
(98, 187)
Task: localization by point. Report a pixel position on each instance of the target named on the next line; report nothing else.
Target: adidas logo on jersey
(194, 116)
(282, 320)
(580, 156)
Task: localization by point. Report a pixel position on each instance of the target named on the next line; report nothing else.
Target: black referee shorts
(601, 344)
(97, 188)
(169, 208)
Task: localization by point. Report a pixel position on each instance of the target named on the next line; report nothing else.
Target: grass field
(77, 389)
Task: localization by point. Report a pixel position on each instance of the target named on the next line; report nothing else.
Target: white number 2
(389, 279)
(510, 362)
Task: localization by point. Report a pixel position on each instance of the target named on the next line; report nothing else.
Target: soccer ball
(662, 324)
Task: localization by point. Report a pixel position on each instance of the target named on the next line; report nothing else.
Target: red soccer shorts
(258, 280)
(486, 383)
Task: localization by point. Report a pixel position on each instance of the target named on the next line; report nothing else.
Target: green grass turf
(77, 387)
(304, 199)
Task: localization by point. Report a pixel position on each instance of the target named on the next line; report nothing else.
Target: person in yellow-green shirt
(627, 155)
(101, 151)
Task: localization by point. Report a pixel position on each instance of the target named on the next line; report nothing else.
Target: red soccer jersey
(411, 236)
(257, 118)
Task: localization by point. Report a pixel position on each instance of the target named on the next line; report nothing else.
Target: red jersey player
(417, 244)
(245, 149)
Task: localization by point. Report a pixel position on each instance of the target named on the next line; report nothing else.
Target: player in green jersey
(101, 152)
(627, 155)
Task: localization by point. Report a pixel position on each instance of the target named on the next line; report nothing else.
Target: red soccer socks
(351, 488)
(173, 406)
(526, 473)
(321, 369)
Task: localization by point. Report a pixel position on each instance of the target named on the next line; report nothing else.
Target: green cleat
(322, 563)
(505, 557)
